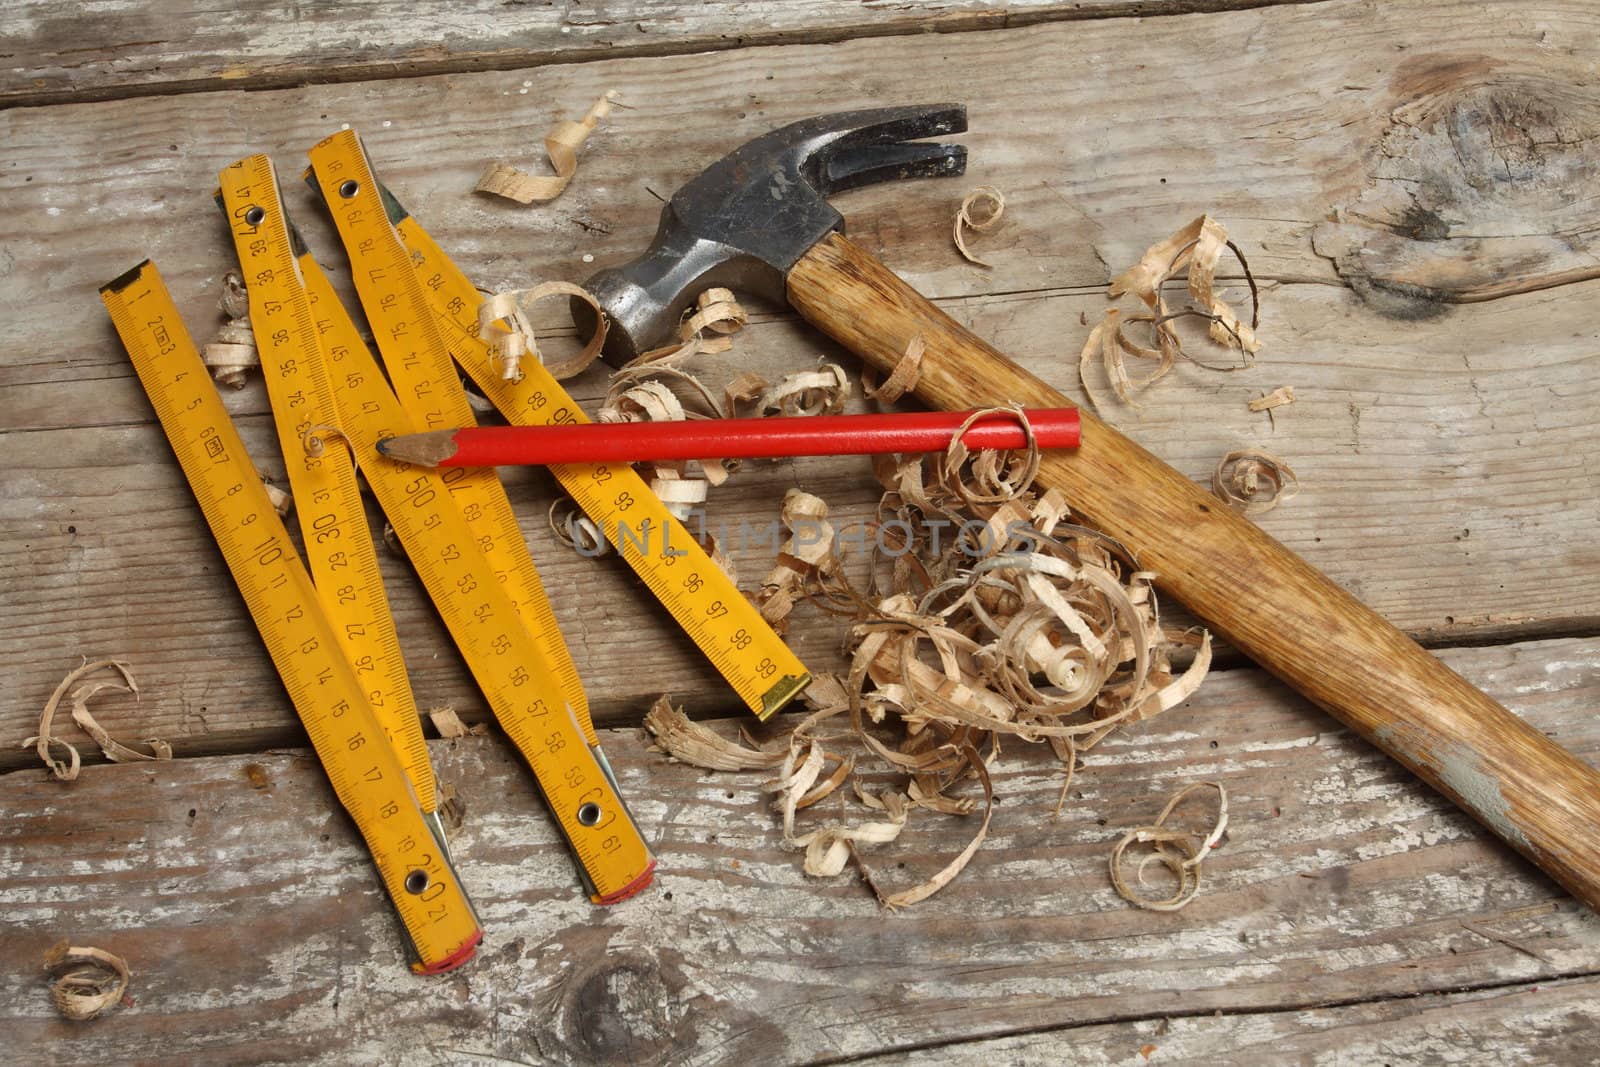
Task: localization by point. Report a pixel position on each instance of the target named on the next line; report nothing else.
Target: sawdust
(503, 322)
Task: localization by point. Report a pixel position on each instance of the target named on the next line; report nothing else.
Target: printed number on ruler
(513, 676)
(426, 384)
(365, 773)
(333, 524)
(704, 601)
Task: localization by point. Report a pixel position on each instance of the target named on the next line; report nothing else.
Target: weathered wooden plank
(137, 49)
(109, 554)
(1472, 425)
(1550, 1023)
(258, 934)
(1095, 164)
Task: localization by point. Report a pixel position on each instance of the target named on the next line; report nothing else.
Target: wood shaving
(810, 545)
(681, 738)
(281, 501)
(503, 322)
(114, 750)
(1192, 253)
(1176, 850)
(1279, 397)
(232, 355)
(447, 722)
(90, 979)
(993, 202)
(1253, 481)
(561, 144)
(901, 380)
(986, 615)
(707, 328)
(816, 392)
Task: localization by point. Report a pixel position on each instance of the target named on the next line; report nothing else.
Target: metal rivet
(349, 188)
(416, 882)
(589, 814)
(254, 215)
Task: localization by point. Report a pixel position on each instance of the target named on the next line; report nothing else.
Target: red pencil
(822, 435)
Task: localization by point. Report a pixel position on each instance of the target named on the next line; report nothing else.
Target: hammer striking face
(747, 219)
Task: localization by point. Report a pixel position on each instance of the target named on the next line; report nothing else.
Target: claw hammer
(759, 220)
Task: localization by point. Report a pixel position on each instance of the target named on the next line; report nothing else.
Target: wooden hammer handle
(1267, 601)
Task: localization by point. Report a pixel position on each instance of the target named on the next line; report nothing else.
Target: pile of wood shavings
(984, 615)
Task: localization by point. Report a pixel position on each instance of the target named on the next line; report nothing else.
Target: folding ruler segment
(440, 925)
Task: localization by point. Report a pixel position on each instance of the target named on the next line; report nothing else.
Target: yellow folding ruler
(367, 776)
(704, 601)
(338, 542)
(510, 668)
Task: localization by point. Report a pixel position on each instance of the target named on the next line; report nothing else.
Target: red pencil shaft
(822, 435)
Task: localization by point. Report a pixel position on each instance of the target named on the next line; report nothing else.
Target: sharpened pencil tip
(428, 449)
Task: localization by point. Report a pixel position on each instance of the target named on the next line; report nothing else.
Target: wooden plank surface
(138, 49)
(1470, 422)
(257, 933)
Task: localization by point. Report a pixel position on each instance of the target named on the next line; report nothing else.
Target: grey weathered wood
(1471, 426)
(1548, 1022)
(140, 48)
(257, 932)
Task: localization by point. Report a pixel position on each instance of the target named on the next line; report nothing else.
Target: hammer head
(749, 217)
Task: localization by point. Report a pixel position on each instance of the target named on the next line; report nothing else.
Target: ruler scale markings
(430, 391)
(366, 774)
(514, 677)
(339, 547)
(743, 648)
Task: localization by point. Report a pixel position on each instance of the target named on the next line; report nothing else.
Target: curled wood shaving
(809, 546)
(114, 750)
(683, 739)
(901, 380)
(708, 327)
(232, 354)
(503, 322)
(987, 217)
(1175, 850)
(1193, 253)
(1253, 481)
(561, 144)
(90, 979)
(816, 392)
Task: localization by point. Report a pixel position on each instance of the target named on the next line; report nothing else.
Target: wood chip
(114, 750)
(447, 722)
(707, 327)
(980, 211)
(89, 981)
(561, 144)
(1280, 396)
(901, 380)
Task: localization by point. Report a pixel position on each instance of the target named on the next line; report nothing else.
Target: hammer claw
(851, 168)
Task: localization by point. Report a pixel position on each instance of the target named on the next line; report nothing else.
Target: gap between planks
(1132, 1018)
(504, 60)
